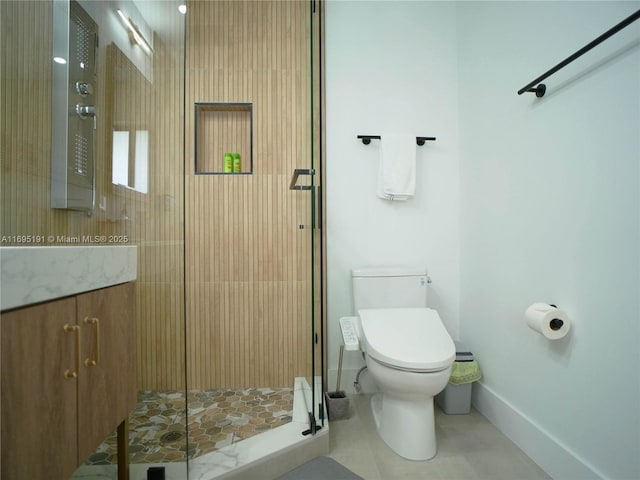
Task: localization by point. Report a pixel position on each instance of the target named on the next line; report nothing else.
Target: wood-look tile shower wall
(247, 262)
(152, 221)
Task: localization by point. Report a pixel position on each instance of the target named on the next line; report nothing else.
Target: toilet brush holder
(337, 402)
(337, 405)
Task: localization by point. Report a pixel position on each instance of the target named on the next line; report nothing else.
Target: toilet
(408, 352)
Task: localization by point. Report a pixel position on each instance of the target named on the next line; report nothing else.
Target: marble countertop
(36, 274)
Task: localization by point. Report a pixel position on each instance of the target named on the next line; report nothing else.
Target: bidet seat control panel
(349, 329)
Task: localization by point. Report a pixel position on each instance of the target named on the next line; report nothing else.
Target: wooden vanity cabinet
(107, 392)
(68, 380)
(39, 405)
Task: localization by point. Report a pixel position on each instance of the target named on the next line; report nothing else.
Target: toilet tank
(389, 287)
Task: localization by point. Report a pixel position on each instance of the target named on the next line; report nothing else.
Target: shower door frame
(317, 235)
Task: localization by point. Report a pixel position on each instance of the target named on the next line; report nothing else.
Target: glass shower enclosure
(193, 132)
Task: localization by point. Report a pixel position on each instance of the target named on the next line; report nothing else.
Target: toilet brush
(337, 402)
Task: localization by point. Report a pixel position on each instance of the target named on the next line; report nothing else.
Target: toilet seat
(411, 339)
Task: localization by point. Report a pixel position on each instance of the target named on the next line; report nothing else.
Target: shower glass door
(253, 337)
(121, 141)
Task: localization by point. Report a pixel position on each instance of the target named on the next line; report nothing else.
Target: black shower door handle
(294, 179)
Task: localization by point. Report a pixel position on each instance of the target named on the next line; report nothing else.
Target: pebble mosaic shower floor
(216, 418)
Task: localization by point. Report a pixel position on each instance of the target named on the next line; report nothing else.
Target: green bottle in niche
(237, 163)
(228, 163)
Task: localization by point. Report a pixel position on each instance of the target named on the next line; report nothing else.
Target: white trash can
(455, 399)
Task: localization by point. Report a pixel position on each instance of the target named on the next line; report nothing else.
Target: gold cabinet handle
(92, 362)
(68, 328)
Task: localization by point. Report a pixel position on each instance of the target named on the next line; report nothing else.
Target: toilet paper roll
(548, 320)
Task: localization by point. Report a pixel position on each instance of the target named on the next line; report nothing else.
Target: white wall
(390, 67)
(550, 212)
(546, 192)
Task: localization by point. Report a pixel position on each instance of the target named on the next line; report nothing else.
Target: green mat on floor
(321, 468)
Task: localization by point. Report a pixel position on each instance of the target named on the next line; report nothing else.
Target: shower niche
(223, 138)
(74, 115)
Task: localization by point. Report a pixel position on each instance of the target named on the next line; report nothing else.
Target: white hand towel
(397, 173)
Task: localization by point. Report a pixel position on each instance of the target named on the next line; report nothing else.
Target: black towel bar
(366, 139)
(539, 88)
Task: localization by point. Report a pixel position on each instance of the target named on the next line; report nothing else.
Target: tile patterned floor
(216, 418)
(221, 417)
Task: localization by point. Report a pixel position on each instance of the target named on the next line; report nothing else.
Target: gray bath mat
(321, 468)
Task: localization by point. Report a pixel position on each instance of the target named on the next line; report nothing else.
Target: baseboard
(555, 458)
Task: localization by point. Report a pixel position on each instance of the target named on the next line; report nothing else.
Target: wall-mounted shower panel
(75, 43)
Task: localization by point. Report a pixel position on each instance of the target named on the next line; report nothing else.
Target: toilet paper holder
(548, 320)
(556, 323)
